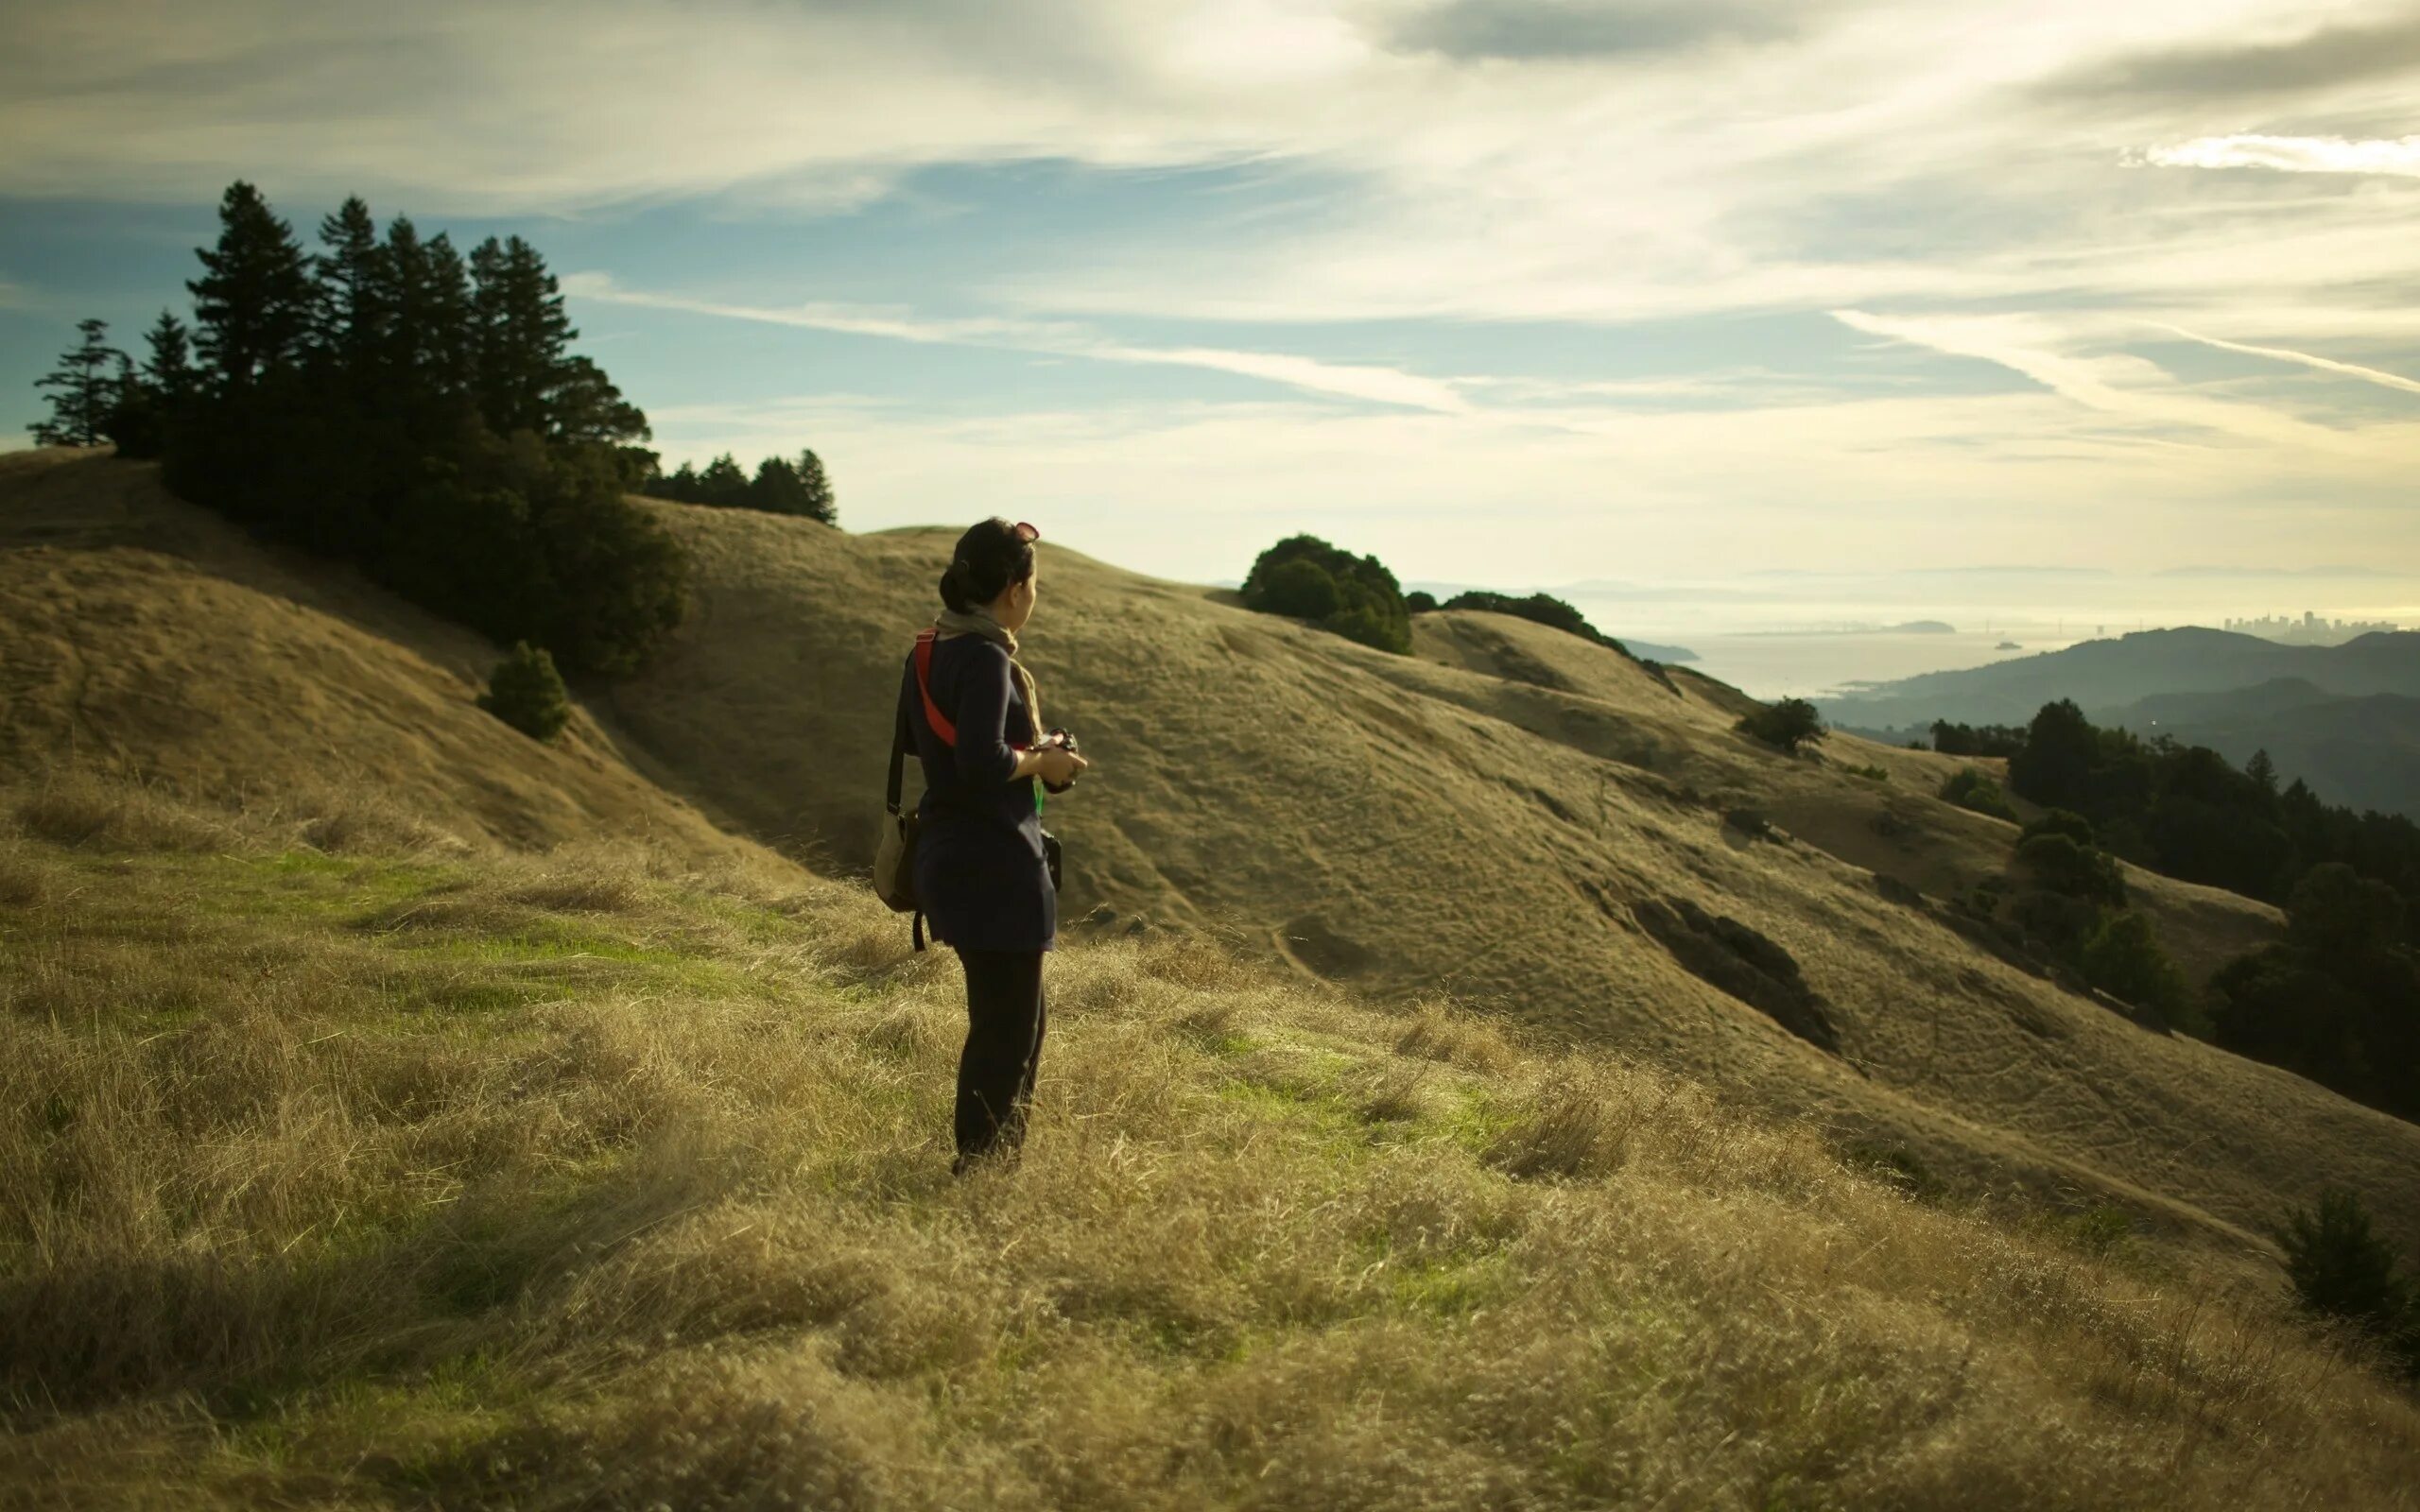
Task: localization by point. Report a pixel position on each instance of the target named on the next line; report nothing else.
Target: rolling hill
(147, 638)
(1535, 825)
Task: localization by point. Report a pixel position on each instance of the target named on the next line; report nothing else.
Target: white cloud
(2396, 156)
(2350, 369)
(1874, 158)
(2114, 383)
(1385, 385)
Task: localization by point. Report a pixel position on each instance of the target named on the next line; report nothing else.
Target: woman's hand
(1056, 764)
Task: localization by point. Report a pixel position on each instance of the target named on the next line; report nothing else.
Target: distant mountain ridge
(2343, 718)
(2106, 675)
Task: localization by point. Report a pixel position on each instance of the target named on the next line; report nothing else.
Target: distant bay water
(1820, 664)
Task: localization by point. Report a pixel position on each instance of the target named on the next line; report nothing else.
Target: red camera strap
(933, 715)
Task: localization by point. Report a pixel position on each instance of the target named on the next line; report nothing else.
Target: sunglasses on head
(1026, 533)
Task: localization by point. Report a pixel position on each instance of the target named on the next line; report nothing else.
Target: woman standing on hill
(981, 874)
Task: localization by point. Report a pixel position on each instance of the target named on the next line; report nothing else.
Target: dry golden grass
(1487, 819)
(609, 1184)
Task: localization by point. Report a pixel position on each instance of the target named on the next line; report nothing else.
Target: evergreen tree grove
(388, 401)
(780, 486)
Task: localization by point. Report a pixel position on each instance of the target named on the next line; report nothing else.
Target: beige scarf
(950, 621)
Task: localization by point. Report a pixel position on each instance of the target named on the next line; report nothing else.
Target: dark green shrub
(526, 692)
(1543, 609)
(2337, 912)
(1875, 774)
(2122, 957)
(1419, 601)
(2055, 921)
(2062, 821)
(2061, 866)
(1973, 740)
(1789, 726)
(1300, 589)
(2342, 1269)
(1304, 578)
(1971, 789)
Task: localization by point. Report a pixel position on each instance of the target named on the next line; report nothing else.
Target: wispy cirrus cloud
(1372, 385)
(2350, 369)
(2114, 383)
(2398, 156)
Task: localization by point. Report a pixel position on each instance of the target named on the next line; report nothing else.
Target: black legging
(1004, 1020)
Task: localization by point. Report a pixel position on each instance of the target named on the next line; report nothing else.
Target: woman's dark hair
(989, 557)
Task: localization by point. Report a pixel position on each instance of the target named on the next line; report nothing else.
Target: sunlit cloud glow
(2399, 156)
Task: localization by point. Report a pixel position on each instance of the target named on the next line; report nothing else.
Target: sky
(1512, 292)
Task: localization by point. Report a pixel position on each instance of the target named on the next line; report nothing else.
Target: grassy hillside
(388, 1175)
(1529, 823)
(145, 637)
(1539, 826)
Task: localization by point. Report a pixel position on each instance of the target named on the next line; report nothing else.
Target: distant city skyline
(1507, 291)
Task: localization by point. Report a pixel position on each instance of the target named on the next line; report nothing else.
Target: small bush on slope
(488, 1181)
(1969, 788)
(526, 692)
(2342, 1269)
(1787, 727)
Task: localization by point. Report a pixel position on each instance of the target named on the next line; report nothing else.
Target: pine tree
(585, 406)
(404, 291)
(449, 335)
(776, 489)
(819, 504)
(350, 312)
(88, 393)
(2263, 771)
(524, 337)
(722, 482)
(253, 303)
(680, 486)
(133, 422)
(169, 370)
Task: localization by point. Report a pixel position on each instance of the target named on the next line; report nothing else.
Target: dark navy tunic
(979, 868)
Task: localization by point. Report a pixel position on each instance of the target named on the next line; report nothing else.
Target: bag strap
(891, 788)
(933, 715)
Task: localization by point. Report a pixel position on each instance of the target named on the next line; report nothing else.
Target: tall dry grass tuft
(638, 1196)
(1575, 1122)
(83, 813)
(1436, 1032)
